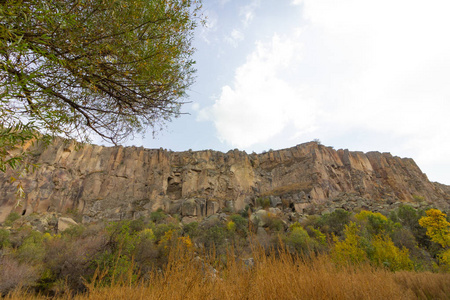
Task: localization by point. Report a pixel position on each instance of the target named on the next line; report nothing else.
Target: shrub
(215, 237)
(241, 224)
(157, 216)
(32, 250)
(350, 250)
(244, 213)
(4, 238)
(299, 240)
(273, 222)
(374, 223)
(231, 226)
(444, 259)
(161, 229)
(409, 217)
(74, 231)
(191, 229)
(385, 253)
(14, 274)
(71, 258)
(11, 218)
(334, 223)
(263, 202)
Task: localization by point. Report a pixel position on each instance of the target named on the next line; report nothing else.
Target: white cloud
(392, 59)
(262, 101)
(382, 69)
(234, 38)
(247, 12)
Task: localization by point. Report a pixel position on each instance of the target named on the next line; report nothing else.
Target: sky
(355, 74)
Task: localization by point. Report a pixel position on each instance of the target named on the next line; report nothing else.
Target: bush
(300, 241)
(4, 238)
(335, 222)
(263, 202)
(157, 216)
(215, 237)
(11, 218)
(72, 258)
(161, 229)
(273, 222)
(32, 250)
(385, 253)
(374, 223)
(241, 224)
(350, 250)
(191, 229)
(409, 217)
(14, 274)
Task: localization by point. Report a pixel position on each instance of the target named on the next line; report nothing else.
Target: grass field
(276, 276)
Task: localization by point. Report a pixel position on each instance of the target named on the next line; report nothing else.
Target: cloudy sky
(355, 74)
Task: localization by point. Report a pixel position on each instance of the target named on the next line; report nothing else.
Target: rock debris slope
(128, 182)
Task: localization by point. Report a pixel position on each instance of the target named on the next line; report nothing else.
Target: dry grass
(278, 276)
(290, 188)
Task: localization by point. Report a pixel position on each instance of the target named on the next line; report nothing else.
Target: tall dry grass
(277, 276)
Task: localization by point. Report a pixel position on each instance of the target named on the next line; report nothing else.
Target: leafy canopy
(438, 228)
(74, 67)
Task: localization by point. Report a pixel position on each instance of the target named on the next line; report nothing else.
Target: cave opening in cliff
(174, 187)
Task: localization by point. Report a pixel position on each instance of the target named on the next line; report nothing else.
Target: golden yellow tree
(438, 228)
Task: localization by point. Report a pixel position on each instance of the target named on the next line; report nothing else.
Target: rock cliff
(128, 182)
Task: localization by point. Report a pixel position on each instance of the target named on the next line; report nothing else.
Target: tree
(77, 67)
(438, 228)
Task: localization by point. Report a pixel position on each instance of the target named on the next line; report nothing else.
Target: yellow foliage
(387, 254)
(318, 235)
(438, 228)
(186, 242)
(147, 233)
(49, 237)
(444, 258)
(364, 215)
(231, 226)
(166, 238)
(349, 250)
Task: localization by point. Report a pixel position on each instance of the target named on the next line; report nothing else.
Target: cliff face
(118, 182)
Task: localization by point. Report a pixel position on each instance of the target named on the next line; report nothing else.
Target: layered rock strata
(128, 182)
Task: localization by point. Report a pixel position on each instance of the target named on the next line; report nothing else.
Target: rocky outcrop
(128, 182)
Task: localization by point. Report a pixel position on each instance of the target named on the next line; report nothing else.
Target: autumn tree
(438, 229)
(77, 67)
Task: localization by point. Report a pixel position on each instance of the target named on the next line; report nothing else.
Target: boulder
(64, 223)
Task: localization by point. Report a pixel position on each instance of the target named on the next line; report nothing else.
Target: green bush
(298, 239)
(245, 211)
(11, 218)
(241, 224)
(157, 216)
(409, 217)
(263, 202)
(374, 223)
(32, 249)
(161, 229)
(215, 236)
(4, 238)
(335, 222)
(191, 229)
(273, 222)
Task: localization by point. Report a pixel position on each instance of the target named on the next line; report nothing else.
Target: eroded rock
(128, 182)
